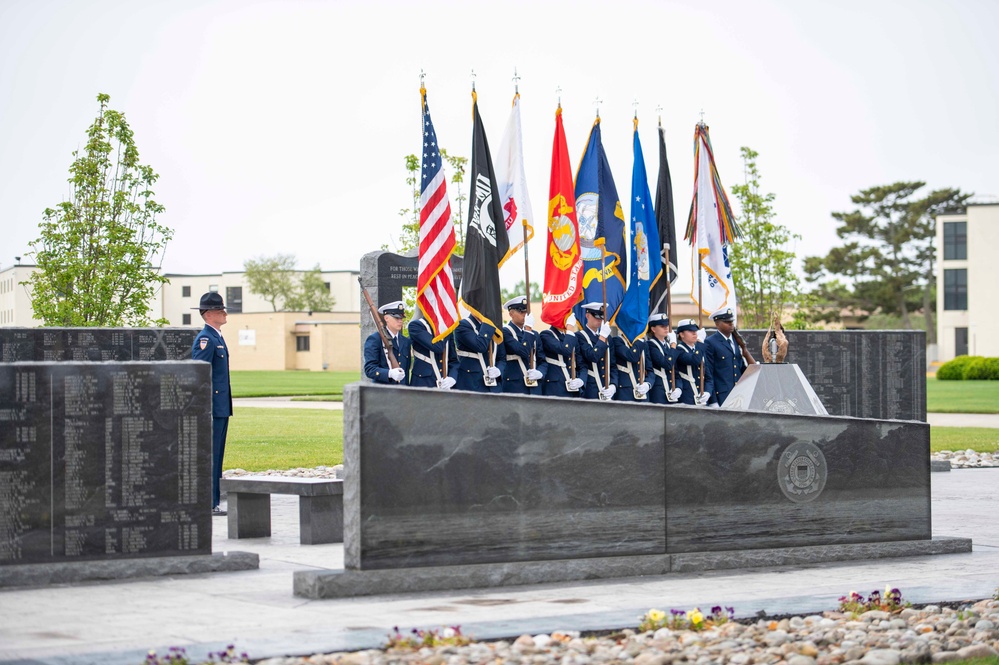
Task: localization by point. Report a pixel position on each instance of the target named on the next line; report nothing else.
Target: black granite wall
(95, 344)
(104, 460)
(456, 478)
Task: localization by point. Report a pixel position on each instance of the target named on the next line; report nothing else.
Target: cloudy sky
(282, 126)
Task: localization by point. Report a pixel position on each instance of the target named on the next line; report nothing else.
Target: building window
(186, 319)
(955, 241)
(185, 292)
(956, 288)
(302, 343)
(234, 299)
(960, 341)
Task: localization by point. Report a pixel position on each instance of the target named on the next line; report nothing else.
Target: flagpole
(603, 286)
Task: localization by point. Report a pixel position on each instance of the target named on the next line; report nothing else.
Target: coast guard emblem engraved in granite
(802, 472)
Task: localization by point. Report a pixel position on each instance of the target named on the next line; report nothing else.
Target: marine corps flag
(486, 241)
(710, 228)
(563, 263)
(665, 216)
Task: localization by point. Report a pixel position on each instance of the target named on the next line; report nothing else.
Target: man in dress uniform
(561, 353)
(480, 365)
(631, 385)
(724, 355)
(376, 364)
(593, 344)
(662, 351)
(429, 369)
(524, 360)
(210, 347)
(690, 351)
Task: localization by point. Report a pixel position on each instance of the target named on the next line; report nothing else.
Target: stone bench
(320, 507)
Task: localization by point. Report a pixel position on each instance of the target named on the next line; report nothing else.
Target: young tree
(99, 253)
(312, 294)
(272, 277)
(762, 264)
(410, 236)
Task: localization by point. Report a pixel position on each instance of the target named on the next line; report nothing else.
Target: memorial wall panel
(104, 460)
(95, 344)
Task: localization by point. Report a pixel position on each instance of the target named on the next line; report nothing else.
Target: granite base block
(940, 465)
(44, 574)
(317, 584)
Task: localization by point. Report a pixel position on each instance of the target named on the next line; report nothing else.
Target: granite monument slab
(95, 344)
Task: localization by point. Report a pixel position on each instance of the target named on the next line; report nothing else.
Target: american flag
(435, 293)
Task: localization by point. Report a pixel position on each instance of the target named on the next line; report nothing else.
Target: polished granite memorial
(462, 478)
(103, 461)
(95, 344)
(775, 388)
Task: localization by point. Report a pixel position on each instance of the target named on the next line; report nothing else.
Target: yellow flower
(695, 617)
(655, 616)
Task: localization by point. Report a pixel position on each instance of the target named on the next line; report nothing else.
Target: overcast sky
(282, 126)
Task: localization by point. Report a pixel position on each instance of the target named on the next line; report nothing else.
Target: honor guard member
(376, 364)
(661, 348)
(210, 347)
(593, 345)
(690, 350)
(561, 353)
(725, 356)
(479, 366)
(631, 386)
(428, 358)
(524, 360)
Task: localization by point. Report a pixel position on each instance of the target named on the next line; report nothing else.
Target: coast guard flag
(517, 212)
(486, 240)
(601, 223)
(435, 294)
(667, 229)
(563, 264)
(646, 260)
(710, 227)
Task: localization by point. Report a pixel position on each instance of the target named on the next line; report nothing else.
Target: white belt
(430, 361)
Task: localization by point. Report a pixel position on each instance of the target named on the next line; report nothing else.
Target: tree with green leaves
(410, 237)
(886, 264)
(518, 290)
(312, 294)
(762, 263)
(279, 282)
(99, 253)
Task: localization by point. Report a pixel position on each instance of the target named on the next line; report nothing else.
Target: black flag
(667, 229)
(486, 241)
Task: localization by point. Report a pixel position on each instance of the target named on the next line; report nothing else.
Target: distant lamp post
(18, 259)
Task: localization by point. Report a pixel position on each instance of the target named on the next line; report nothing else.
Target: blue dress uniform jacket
(688, 371)
(376, 365)
(661, 358)
(472, 341)
(726, 366)
(428, 354)
(559, 348)
(518, 345)
(211, 348)
(629, 358)
(594, 352)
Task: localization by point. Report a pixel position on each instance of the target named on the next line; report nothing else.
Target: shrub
(955, 369)
(982, 369)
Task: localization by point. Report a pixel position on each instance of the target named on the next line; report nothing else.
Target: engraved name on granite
(95, 344)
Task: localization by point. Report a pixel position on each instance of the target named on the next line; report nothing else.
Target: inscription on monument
(95, 344)
(104, 460)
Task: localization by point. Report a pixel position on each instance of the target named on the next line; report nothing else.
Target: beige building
(967, 298)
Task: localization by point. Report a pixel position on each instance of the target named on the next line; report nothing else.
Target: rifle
(380, 325)
(746, 355)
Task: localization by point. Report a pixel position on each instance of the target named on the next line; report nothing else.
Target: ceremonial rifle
(746, 355)
(380, 325)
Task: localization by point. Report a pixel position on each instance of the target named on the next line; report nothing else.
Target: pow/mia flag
(486, 241)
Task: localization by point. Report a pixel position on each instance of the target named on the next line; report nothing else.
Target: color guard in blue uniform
(429, 369)
(632, 386)
(660, 346)
(524, 360)
(593, 345)
(725, 356)
(690, 351)
(562, 358)
(480, 366)
(376, 365)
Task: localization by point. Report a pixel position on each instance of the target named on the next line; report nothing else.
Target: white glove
(534, 375)
(493, 372)
(397, 374)
(671, 338)
(701, 335)
(643, 388)
(570, 323)
(703, 398)
(575, 384)
(447, 383)
(604, 331)
(608, 392)
(528, 320)
(674, 395)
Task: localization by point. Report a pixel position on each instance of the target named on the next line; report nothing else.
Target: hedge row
(969, 368)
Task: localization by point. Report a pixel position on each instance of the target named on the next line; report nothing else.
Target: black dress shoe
(218, 512)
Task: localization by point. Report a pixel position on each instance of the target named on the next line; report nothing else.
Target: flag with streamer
(710, 228)
(646, 260)
(563, 263)
(486, 241)
(601, 226)
(665, 216)
(518, 214)
(435, 292)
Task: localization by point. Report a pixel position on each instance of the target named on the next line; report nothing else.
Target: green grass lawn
(962, 396)
(267, 384)
(262, 439)
(979, 439)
